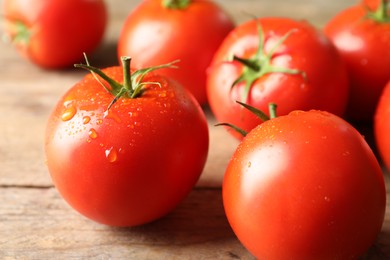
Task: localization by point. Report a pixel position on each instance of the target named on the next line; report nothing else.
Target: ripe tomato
(305, 186)
(130, 163)
(290, 63)
(54, 34)
(382, 126)
(363, 39)
(154, 33)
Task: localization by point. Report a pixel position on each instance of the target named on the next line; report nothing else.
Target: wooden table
(35, 223)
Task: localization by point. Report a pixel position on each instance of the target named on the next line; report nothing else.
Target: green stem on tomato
(176, 4)
(257, 112)
(21, 34)
(381, 14)
(260, 64)
(133, 84)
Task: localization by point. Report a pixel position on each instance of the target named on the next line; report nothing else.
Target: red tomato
(315, 77)
(382, 126)
(155, 34)
(131, 163)
(54, 34)
(364, 43)
(305, 186)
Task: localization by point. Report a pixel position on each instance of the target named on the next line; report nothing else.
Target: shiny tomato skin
(305, 186)
(60, 31)
(382, 126)
(153, 34)
(133, 164)
(324, 87)
(364, 45)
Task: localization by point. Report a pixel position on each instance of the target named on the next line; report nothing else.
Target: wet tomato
(127, 153)
(277, 60)
(305, 186)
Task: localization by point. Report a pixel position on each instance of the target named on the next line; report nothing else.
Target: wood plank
(37, 224)
(40, 225)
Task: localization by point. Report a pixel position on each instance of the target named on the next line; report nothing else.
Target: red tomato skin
(60, 30)
(382, 126)
(153, 34)
(307, 50)
(364, 45)
(305, 186)
(133, 164)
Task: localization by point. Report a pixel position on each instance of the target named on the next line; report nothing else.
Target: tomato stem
(126, 72)
(381, 14)
(176, 4)
(257, 112)
(260, 64)
(133, 84)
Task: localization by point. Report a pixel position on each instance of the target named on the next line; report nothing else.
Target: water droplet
(92, 133)
(86, 119)
(162, 94)
(346, 153)
(99, 121)
(249, 164)
(110, 115)
(111, 155)
(69, 113)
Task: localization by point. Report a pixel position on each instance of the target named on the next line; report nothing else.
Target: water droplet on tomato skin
(69, 113)
(92, 133)
(86, 120)
(111, 155)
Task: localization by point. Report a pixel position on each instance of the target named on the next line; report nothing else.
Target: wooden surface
(35, 223)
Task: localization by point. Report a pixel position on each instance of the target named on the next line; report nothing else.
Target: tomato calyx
(20, 32)
(257, 112)
(176, 4)
(381, 14)
(260, 64)
(133, 84)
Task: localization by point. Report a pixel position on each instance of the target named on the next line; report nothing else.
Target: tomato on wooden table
(362, 36)
(54, 34)
(305, 186)
(128, 154)
(278, 60)
(159, 31)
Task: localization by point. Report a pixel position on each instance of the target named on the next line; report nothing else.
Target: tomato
(382, 126)
(54, 34)
(362, 37)
(305, 186)
(128, 162)
(155, 33)
(276, 60)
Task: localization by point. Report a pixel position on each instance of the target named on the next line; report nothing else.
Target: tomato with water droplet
(305, 186)
(128, 163)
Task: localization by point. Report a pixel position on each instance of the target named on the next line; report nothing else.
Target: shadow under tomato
(199, 218)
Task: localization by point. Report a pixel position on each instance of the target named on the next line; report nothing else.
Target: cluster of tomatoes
(126, 144)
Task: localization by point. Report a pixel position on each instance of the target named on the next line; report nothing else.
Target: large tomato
(127, 162)
(54, 34)
(159, 31)
(362, 36)
(277, 60)
(305, 186)
(382, 126)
